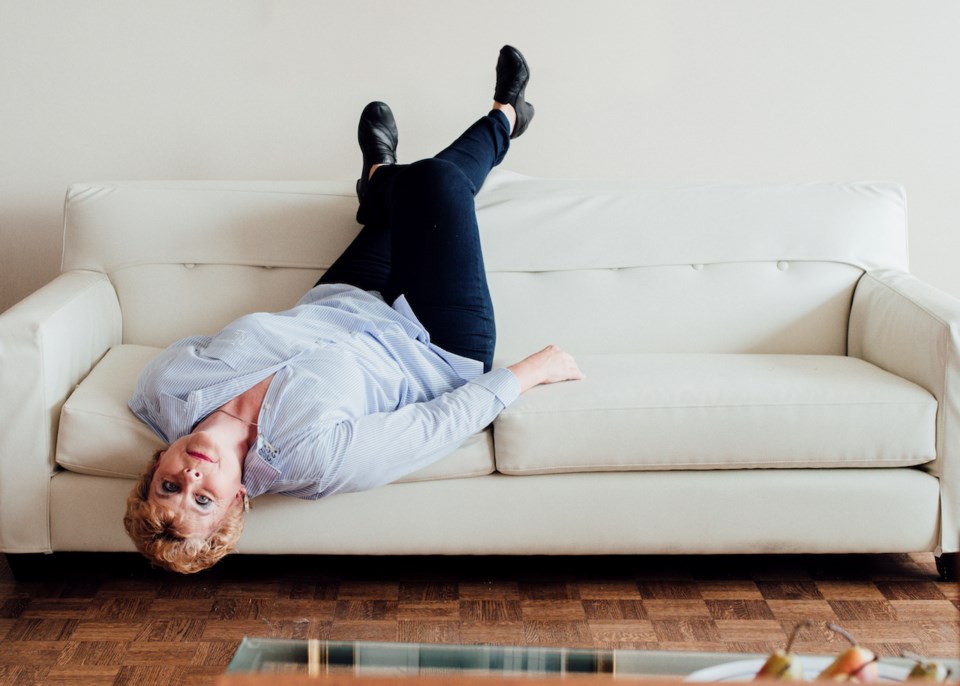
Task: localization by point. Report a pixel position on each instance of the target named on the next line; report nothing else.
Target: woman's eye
(169, 487)
(203, 500)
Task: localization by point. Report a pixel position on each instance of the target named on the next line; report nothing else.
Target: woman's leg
(366, 261)
(421, 231)
(480, 148)
(437, 260)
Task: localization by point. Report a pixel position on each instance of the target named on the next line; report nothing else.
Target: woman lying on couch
(343, 392)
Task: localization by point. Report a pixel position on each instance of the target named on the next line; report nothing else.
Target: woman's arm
(377, 449)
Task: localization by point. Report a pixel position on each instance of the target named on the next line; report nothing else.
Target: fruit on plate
(782, 664)
(926, 670)
(856, 663)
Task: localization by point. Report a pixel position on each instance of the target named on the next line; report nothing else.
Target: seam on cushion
(903, 296)
(181, 189)
(445, 477)
(675, 265)
(253, 265)
(79, 410)
(94, 413)
(309, 194)
(732, 466)
(93, 471)
(512, 412)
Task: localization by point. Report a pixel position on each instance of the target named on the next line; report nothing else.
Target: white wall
(664, 90)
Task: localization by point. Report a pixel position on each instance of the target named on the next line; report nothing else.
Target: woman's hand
(547, 366)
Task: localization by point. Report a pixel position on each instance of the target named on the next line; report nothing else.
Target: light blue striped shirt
(360, 398)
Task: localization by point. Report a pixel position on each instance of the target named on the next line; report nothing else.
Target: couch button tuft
(697, 267)
(190, 265)
(783, 266)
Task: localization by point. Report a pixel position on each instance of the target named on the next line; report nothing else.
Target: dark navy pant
(420, 239)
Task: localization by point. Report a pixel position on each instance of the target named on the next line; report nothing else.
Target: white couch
(764, 376)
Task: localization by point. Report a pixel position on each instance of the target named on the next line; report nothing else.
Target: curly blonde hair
(155, 536)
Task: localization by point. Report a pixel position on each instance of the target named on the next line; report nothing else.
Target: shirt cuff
(502, 383)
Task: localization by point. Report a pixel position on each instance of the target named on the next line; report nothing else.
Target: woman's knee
(433, 200)
(437, 178)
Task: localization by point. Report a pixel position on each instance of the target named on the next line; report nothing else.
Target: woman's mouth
(198, 456)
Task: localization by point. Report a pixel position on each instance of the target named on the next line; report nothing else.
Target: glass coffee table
(370, 659)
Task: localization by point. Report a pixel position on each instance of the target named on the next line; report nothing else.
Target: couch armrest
(910, 329)
(48, 343)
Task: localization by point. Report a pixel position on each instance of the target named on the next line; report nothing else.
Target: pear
(853, 664)
(926, 670)
(782, 664)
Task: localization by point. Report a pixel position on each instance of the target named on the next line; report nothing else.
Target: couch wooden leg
(947, 564)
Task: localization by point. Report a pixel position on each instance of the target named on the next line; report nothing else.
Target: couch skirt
(681, 512)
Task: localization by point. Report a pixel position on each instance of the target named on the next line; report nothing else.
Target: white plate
(746, 670)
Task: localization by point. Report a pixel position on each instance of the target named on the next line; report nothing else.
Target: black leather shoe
(512, 77)
(377, 134)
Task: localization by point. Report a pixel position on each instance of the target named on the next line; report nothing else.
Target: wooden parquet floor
(109, 619)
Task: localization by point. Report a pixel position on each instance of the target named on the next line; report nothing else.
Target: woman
(347, 390)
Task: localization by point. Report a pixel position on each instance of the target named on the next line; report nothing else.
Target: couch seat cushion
(692, 411)
(100, 435)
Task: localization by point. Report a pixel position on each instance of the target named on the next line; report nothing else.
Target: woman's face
(198, 482)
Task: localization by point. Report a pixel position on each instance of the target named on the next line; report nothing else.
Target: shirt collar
(258, 472)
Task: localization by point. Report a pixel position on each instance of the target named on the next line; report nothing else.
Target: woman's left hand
(549, 365)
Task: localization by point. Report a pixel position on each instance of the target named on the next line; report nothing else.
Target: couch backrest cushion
(598, 266)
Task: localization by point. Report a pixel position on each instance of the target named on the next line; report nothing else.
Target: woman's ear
(242, 499)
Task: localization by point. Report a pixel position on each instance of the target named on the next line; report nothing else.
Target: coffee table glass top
(406, 659)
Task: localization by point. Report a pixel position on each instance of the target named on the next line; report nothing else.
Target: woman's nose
(192, 473)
